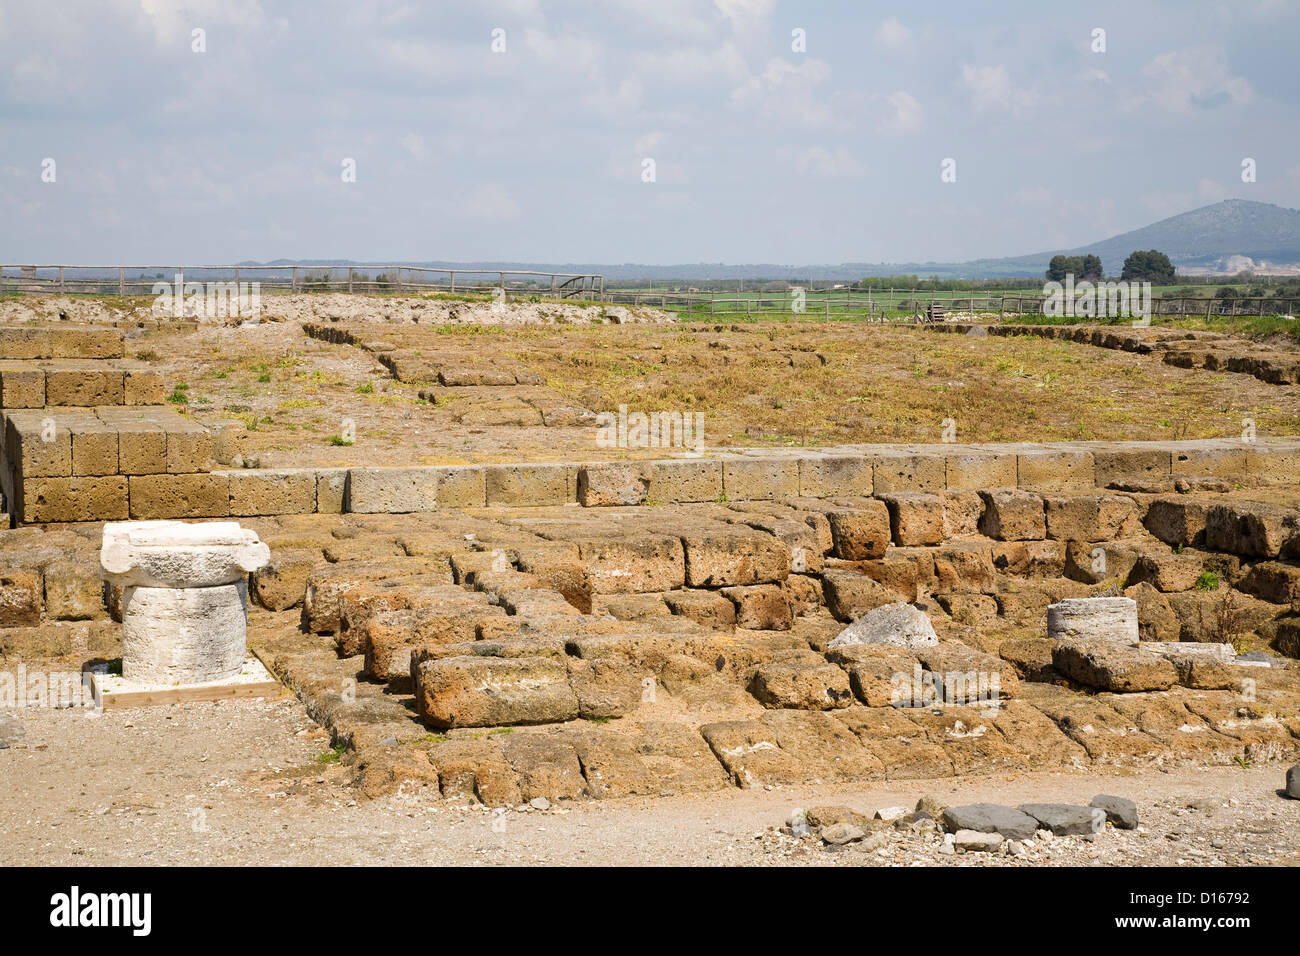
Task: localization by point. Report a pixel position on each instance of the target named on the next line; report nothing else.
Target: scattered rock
(1293, 782)
(540, 803)
(838, 834)
(991, 818)
(890, 814)
(1064, 819)
(10, 730)
(976, 840)
(1121, 812)
(1105, 618)
(900, 624)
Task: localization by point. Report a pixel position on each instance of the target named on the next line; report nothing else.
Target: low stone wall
(54, 342)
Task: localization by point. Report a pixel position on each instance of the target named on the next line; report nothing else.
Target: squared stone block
(179, 496)
(1218, 460)
(609, 484)
(22, 388)
(836, 476)
(189, 448)
(1130, 465)
(904, 472)
(73, 499)
(280, 491)
(83, 343)
(38, 445)
(83, 386)
(141, 448)
(760, 479)
(392, 490)
(143, 387)
(1056, 471)
(1274, 464)
(977, 471)
(74, 590)
(462, 487)
(531, 485)
(331, 490)
(684, 480)
(94, 449)
(20, 597)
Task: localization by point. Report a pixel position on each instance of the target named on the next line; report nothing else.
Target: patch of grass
(340, 441)
(297, 403)
(367, 389)
(333, 755)
(1207, 581)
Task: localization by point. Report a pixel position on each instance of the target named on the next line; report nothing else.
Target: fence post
(61, 289)
(121, 281)
(1261, 306)
(293, 280)
(349, 278)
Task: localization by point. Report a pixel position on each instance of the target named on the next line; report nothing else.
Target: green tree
(1149, 266)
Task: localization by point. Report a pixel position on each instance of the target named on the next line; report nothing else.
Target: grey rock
(1066, 819)
(991, 818)
(10, 730)
(1105, 618)
(838, 834)
(1121, 812)
(976, 840)
(1258, 659)
(900, 624)
(1293, 782)
(977, 332)
(540, 803)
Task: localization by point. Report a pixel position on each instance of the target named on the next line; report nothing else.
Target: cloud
(749, 18)
(990, 88)
(414, 145)
(1186, 80)
(786, 92)
(823, 162)
(908, 114)
(489, 203)
(892, 33)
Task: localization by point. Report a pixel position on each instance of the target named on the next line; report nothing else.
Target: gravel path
(240, 782)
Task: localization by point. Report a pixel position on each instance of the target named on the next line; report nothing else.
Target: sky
(612, 131)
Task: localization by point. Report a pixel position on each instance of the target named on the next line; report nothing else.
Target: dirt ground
(878, 384)
(243, 783)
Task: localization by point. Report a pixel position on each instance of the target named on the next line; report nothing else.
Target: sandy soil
(240, 783)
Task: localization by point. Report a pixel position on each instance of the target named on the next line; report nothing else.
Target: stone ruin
(566, 630)
(184, 597)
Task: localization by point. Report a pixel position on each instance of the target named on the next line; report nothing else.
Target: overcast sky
(762, 153)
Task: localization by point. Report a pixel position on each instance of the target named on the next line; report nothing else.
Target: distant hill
(1217, 238)
(1210, 239)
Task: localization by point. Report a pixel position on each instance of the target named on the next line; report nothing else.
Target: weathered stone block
(530, 485)
(1012, 515)
(685, 480)
(94, 449)
(1112, 666)
(491, 692)
(280, 491)
(915, 518)
(141, 448)
(860, 533)
(1090, 517)
(189, 448)
(74, 499)
(725, 556)
(74, 590)
(760, 479)
(835, 476)
(20, 597)
(903, 472)
(609, 484)
(22, 387)
(975, 471)
(761, 607)
(179, 496)
(83, 386)
(1056, 471)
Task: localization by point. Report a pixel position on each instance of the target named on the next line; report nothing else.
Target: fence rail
(874, 304)
(143, 280)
